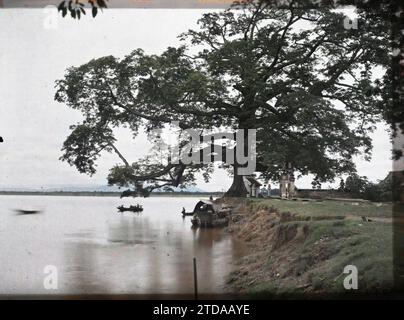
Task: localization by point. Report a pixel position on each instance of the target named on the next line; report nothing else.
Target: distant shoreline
(105, 194)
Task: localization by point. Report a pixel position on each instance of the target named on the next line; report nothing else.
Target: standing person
(263, 191)
(283, 186)
(291, 186)
(269, 190)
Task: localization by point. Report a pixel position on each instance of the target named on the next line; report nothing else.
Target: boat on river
(24, 211)
(184, 213)
(136, 208)
(210, 214)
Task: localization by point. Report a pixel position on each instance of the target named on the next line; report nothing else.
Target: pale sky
(34, 126)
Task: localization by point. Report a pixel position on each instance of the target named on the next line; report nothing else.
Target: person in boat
(136, 208)
(184, 213)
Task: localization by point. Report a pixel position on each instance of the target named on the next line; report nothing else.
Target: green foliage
(316, 184)
(356, 185)
(84, 144)
(325, 209)
(373, 192)
(242, 69)
(362, 188)
(76, 7)
(341, 185)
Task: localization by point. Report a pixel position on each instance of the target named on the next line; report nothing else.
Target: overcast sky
(34, 126)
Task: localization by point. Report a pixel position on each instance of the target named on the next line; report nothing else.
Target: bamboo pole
(195, 281)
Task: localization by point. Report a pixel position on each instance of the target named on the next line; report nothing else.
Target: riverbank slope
(301, 248)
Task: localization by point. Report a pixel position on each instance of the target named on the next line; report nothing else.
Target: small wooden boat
(136, 208)
(21, 211)
(184, 213)
(209, 214)
(195, 222)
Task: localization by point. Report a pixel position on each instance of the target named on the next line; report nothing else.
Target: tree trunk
(237, 189)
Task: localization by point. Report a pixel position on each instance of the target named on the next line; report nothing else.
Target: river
(92, 249)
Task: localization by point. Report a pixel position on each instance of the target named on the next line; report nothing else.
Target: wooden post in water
(230, 220)
(195, 281)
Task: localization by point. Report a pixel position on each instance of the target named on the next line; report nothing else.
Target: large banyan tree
(307, 80)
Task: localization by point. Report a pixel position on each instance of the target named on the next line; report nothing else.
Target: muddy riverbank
(304, 254)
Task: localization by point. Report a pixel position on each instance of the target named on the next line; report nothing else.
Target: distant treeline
(106, 194)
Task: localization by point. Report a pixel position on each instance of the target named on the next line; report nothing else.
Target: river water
(92, 249)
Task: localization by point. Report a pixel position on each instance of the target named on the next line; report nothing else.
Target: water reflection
(99, 251)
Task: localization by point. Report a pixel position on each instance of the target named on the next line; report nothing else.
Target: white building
(252, 186)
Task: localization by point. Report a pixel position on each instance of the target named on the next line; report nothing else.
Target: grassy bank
(326, 208)
(301, 248)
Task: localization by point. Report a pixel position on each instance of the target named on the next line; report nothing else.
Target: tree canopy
(305, 82)
(76, 8)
